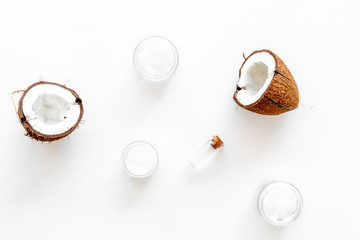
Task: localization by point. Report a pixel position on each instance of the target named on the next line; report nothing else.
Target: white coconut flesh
(255, 77)
(50, 109)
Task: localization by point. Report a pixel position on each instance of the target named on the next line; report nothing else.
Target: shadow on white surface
(215, 166)
(272, 232)
(133, 189)
(152, 89)
(40, 168)
(258, 131)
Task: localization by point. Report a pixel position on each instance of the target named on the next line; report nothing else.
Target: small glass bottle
(208, 151)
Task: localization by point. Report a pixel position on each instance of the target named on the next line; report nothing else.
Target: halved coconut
(49, 111)
(266, 85)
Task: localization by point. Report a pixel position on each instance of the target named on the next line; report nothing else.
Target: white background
(76, 189)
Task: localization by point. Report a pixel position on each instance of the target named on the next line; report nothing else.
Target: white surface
(76, 188)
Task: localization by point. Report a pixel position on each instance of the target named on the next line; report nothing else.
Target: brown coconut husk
(282, 94)
(31, 132)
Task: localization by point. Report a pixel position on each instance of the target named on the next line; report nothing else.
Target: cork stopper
(216, 142)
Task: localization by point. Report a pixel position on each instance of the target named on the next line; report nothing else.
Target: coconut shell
(31, 132)
(282, 94)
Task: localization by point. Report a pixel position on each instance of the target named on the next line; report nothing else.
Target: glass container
(140, 159)
(206, 152)
(156, 58)
(280, 203)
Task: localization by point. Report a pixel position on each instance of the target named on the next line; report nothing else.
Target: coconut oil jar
(156, 59)
(280, 203)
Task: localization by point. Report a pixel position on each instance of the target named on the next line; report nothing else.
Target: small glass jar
(206, 152)
(156, 58)
(140, 159)
(280, 203)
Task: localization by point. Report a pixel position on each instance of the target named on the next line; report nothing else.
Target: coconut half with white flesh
(49, 111)
(266, 85)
